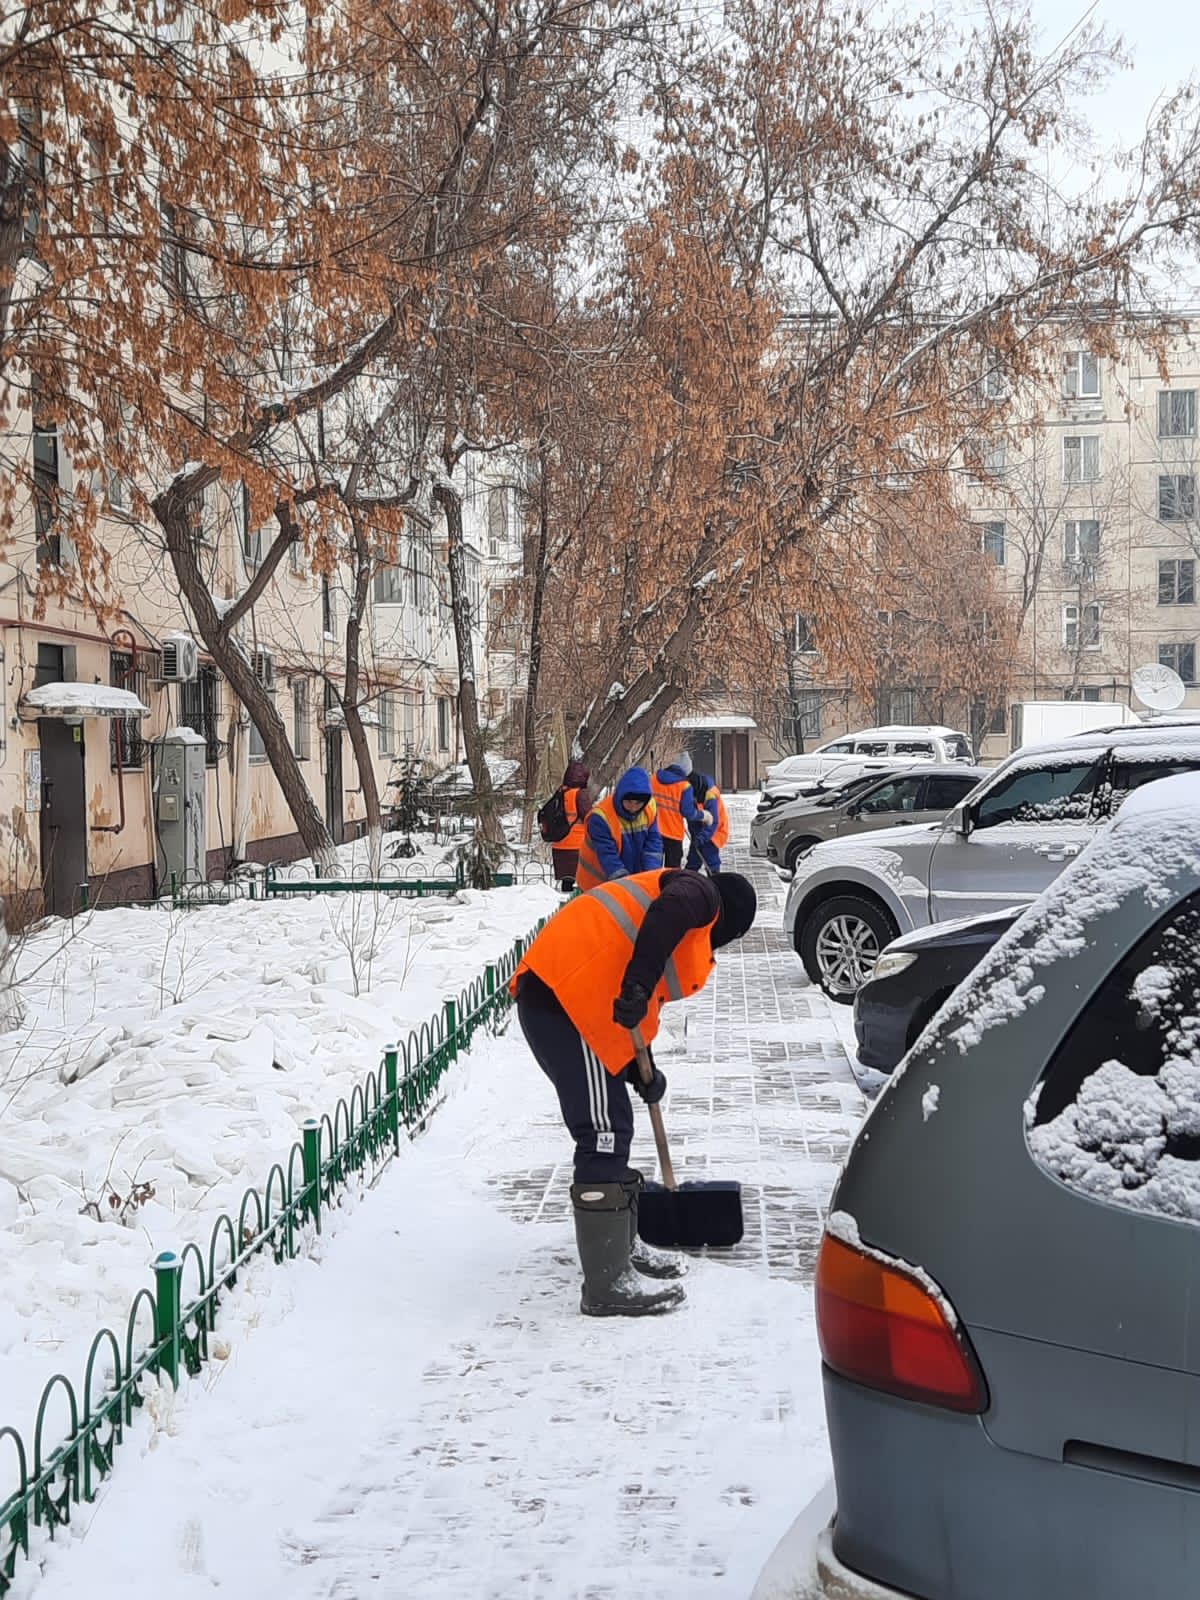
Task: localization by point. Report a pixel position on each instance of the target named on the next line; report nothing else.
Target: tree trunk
(354, 723)
(468, 702)
(796, 718)
(170, 508)
(537, 602)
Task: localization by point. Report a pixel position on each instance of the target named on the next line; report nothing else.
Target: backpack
(552, 818)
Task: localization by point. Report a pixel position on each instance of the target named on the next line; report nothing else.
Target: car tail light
(880, 1325)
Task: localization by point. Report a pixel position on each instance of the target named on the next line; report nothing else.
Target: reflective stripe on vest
(606, 896)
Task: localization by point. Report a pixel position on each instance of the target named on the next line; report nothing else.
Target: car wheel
(797, 848)
(841, 943)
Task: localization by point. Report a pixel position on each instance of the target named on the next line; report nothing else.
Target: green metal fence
(168, 1327)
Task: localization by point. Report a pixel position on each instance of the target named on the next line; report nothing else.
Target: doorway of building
(735, 761)
(63, 821)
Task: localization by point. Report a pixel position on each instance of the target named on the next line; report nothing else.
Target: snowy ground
(422, 1412)
(193, 1045)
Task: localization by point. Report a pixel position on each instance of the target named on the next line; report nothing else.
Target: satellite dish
(1157, 687)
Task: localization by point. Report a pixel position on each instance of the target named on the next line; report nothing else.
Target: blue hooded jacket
(687, 798)
(639, 848)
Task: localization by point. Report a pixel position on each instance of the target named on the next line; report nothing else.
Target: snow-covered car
(854, 753)
(1007, 1284)
(1000, 847)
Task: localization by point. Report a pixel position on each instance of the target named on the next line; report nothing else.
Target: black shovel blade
(694, 1214)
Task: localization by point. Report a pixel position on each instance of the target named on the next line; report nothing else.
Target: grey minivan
(1008, 1283)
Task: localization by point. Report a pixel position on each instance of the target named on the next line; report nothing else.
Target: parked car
(850, 755)
(1007, 1284)
(922, 793)
(1002, 846)
(913, 978)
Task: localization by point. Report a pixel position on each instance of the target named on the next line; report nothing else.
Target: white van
(871, 749)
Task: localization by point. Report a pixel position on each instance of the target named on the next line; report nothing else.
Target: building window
(1081, 627)
(176, 275)
(252, 538)
(993, 541)
(1176, 583)
(31, 157)
(199, 706)
(1081, 458)
(1081, 541)
(1176, 497)
(443, 723)
(387, 723)
(902, 707)
(1081, 376)
(327, 609)
(803, 643)
(993, 382)
(1086, 692)
(45, 495)
(125, 738)
(301, 731)
(1176, 413)
(258, 748)
(497, 506)
(1181, 658)
(389, 586)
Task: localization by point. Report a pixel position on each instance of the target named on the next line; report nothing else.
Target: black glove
(651, 1092)
(631, 1005)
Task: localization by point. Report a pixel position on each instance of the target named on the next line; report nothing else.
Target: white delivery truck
(1038, 721)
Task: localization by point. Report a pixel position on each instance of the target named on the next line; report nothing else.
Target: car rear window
(943, 794)
(871, 747)
(1118, 1108)
(957, 748)
(913, 747)
(1040, 794)
(1128, 775)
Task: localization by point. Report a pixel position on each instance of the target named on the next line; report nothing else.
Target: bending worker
(708, 838)
(603, 965)
(677, 808)
(621, 833)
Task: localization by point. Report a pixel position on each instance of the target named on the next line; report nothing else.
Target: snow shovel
(683, 1214)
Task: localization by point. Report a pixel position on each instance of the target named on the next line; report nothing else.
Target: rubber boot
(611, 1288)
(645, 1258)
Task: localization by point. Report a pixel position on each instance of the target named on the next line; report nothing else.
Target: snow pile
(165, 1062)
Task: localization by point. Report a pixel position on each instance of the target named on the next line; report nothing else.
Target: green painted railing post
(311, 1138)
(391, 1078)
(489, 979)
(452, 1028)
(168, 1273)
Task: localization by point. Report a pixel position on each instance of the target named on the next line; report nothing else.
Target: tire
(796, 849)
(841, 941)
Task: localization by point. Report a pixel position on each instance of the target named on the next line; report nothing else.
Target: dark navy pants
(595, 1105)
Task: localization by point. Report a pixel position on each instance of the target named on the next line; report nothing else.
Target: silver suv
(1001, 847)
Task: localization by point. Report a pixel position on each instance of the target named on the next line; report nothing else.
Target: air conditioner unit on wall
(264, 668)
(180, 659)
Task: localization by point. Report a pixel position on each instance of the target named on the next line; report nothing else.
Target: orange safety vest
(590, 870)
(574, 839)
(714, 801)
(582, 952)
(670, 807)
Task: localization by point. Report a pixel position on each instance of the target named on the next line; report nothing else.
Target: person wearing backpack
(562, 819)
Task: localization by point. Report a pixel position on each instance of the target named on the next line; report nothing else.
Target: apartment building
(1087, 505)
(84, 772)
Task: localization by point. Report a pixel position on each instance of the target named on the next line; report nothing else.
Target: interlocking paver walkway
(424, 1415)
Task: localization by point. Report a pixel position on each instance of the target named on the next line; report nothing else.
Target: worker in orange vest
(677, 808)
(577, 802)
(708, 840)
(603, 965)
(621, 833)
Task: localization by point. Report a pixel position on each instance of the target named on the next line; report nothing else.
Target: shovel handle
(646, 1073)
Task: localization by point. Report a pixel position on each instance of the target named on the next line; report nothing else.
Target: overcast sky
(1163, 37)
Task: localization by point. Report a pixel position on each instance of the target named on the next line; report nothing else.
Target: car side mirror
(960, 819)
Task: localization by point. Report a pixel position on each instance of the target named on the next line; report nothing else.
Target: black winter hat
(739, 903)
